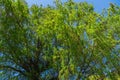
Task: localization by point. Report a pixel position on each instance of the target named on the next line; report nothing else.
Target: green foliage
(70, 38)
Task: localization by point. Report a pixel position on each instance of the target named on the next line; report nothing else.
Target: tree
(20, 50)
(68, 41)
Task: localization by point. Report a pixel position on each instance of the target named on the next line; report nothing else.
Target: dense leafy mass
(69, 41)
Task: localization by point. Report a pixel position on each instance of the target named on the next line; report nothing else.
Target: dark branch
(12, 68)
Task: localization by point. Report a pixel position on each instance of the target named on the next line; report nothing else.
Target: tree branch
(12, 68)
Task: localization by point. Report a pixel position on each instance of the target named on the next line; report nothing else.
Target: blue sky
(98, 4)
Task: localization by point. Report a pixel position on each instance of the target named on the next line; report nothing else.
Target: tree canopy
(68, 41)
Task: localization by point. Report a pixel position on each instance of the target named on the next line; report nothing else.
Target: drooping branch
(12, 68)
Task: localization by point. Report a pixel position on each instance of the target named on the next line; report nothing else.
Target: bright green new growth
(70, 38)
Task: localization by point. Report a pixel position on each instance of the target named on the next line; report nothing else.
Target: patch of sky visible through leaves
(99, 5)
